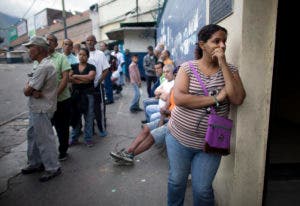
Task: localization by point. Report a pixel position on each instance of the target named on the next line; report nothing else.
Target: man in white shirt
(120, 62)
(99, 60)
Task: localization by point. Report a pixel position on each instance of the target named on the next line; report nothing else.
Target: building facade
(78, 27)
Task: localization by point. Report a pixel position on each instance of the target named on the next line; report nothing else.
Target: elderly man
(42, 92)
(61, 117)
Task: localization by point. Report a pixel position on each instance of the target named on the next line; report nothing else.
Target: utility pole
(137, 10)
(64, 18)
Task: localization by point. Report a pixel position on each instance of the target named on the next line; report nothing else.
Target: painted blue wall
(140, 62)
(180, 22)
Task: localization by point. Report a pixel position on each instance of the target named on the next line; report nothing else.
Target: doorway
(282, 178)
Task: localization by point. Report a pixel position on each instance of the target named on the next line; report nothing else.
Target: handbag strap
(196, 74)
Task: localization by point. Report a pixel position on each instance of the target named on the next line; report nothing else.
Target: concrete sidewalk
(89, 175)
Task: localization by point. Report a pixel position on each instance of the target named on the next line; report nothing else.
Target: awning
(118, 34)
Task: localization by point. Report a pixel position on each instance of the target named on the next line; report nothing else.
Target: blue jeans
(136, 98)
(146, 102)
(202, 166)
(151, 109)
(155, 116)
(158, 133)
(88, 125)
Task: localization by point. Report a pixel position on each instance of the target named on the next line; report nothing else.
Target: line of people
(79, 91)
(52, 102)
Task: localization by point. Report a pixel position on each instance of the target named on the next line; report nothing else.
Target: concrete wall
(76, 33)
(108, 28)
(117, 9)
(94, 15)
(135, 41)
(225, 176)
(112, 13)
(251, 43)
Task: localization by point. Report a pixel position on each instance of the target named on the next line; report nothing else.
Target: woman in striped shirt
(188, 123)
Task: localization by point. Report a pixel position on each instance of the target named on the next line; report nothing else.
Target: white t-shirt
(166, 86)
(99, 60)
(116, 75)
(120, 59)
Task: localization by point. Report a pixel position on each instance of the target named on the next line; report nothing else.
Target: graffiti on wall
(179, 25)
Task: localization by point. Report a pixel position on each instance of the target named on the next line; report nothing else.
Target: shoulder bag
(217, 138)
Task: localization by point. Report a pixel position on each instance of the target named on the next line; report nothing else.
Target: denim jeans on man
(202, 166)
(146, 102)
(88, 125)
(155, 116)
(151, 109)
(158, 132)
(136, 98)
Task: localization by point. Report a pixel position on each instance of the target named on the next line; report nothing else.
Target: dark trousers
(61, 121)
(99, 108)
(150, 80)
(108, 87)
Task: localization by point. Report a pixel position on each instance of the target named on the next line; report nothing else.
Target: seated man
(153, 132)
(115, 77)
(160, 79)
(161, 93)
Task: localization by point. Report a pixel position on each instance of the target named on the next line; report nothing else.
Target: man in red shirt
(136, 82)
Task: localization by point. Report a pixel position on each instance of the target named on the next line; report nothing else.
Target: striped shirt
(189, 126)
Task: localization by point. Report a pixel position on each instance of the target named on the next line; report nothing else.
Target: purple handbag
(217, 138)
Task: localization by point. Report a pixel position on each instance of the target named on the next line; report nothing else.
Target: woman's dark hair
(86, 51)
(205, 34)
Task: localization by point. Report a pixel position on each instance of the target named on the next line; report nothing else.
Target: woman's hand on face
(222, 95)
(219, 54)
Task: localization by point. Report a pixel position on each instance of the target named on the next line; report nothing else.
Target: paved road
(89, 176)
(12, 81)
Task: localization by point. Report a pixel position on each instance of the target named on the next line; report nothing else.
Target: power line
(29, 9)
(7, 28)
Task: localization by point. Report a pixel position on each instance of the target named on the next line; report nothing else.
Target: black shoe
(133, 111)
(29, 169)
(144, 121)
(63, 157)
(136, 109)
(50, 175)
(109, 102)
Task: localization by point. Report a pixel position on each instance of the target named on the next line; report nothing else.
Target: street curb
(13, 118)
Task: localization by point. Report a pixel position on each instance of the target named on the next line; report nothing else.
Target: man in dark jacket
(148, 63)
